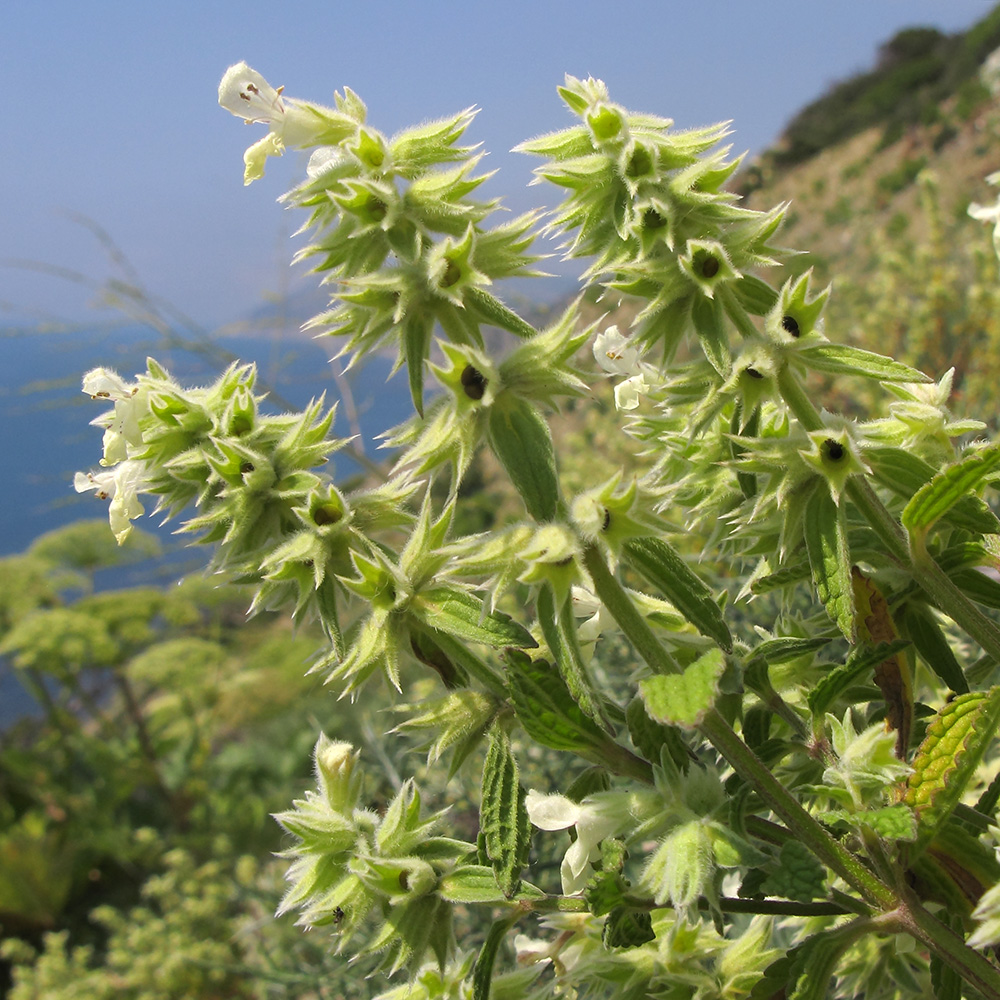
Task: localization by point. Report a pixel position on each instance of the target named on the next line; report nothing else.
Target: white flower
(121, 486)
(121, 425)
(246, 94)
(618, 355)
(989, 213)
(598, 619)
(596, 817)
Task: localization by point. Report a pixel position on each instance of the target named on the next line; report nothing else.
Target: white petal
(551, 812)
(246, 94)
(102, 383)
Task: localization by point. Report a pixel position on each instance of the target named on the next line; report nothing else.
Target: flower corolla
(122, 433)
(246, 94)
(121, 486)
(618, 355)
(596, 817)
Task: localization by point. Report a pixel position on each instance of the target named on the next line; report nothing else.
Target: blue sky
(111, 110)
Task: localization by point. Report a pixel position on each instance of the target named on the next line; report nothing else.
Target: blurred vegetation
(917, 70)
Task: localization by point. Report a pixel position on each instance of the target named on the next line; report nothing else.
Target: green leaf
(918, 622)
(708, 316)
(558, 625)
(462, 615)
(933, 500)
(788, 648)
(863, 659)
(503, 817)
(683, 699)
(520, 439)
(754, 294)
(627, 927)
(841, 359)
(651, 737)
(947, 759)
(416, 339)
(491, 310)
(482, 974)
(798, 874)
(816, 960)
(896, 822)
(830, 559)
(663, 567)
(478, 884)
(905, 473)
(545, 707)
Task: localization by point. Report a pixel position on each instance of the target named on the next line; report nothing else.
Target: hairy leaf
(503, 817)
(665, 569)
(830, 559)
(945, 762)
(683, 699)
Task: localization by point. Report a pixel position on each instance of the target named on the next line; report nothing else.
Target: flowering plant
(773, 720)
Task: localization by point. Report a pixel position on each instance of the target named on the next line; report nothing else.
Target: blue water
(46, 435)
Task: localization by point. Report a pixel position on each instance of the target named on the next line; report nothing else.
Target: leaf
(651, 737)
(708, 318)
(478, 884)
(896, 822)
(841, 359)
(798, 874)
(683, 699)
(461, 614)
(862, 659)
(930, 642)
(933, 500)
(665, 569)
(482, 973)
(754, 294)
(892, 674)
(627, 927)
(788, 648)
(945, 762)
(491, 310)
(520, 439)
(905, 473)
(503, 817)
(545, 707)
(830, 559)
(558, 626)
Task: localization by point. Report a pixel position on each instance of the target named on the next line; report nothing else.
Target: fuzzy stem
(742, 759)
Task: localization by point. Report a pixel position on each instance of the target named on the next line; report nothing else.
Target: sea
(46, 434)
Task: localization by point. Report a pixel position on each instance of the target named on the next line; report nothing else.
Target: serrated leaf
(521, 441)
(830, 559)
(875, 625)
(545, 707)
(798, 874)
(896, 822)
(461, 614)
(651, 737)
(558, 625)
(862, 659)
(503, 818)
(665, 569)
(930, 642)
(947, 759)
(683, 699)
(933, 500)
(788, 648)
(627, 927)
(905, 473)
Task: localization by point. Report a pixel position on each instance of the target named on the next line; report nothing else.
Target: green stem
(625, 613)
(742, 759)
(949, 947)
